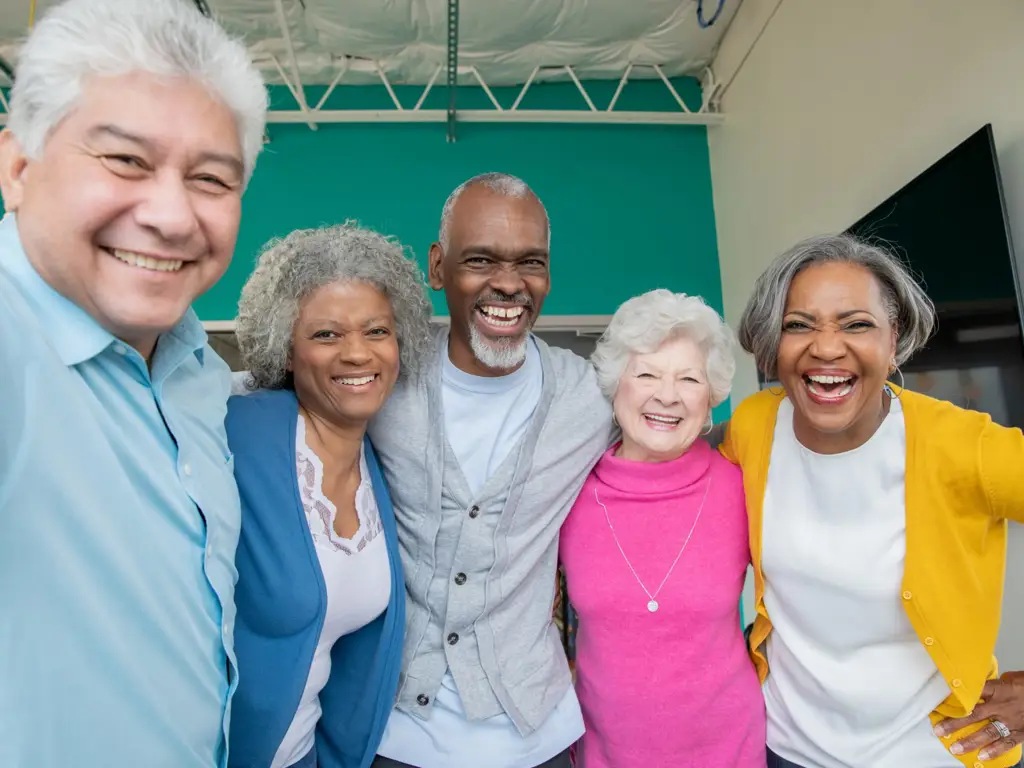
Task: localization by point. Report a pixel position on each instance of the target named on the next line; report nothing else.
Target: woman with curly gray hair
(655, 549)
(878, 526)
(329, 320)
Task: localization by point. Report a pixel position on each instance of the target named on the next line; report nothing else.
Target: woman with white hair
(655, 553)
(329, 320)
(878, 527)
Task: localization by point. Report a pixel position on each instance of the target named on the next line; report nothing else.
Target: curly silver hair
(293, 267)
(908, 306)
(645, 322)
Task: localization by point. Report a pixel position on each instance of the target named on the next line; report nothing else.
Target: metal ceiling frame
(706, 114)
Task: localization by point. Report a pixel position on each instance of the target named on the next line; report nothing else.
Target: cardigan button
(929, 641)
(956, 683)
(460, 579)
(423, 699)
(907, 595)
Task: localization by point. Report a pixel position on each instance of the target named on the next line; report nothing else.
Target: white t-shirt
(357, 574)
(484, 419)
(850, 684)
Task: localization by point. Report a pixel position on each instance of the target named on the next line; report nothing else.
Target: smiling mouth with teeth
(501, 317)
(146, 262)
(829, 387)
(355, 381)
(660, 421)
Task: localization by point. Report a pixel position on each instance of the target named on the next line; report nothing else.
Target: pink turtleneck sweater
(674, 687)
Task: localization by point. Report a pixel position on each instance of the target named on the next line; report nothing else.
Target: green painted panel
(631, 206)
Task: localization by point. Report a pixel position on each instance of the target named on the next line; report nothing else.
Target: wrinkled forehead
(836, 288)
(168, 115)
(676, 353)
(345, 299)
(482, 218)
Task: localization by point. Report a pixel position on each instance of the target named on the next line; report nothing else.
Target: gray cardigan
(480, 570)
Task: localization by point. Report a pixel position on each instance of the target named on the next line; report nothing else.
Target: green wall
(631, 206)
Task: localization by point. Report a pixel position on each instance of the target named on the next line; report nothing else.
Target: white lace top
(320, 512)
(357, 577)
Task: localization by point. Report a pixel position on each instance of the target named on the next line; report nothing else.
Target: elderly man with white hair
(133, 130)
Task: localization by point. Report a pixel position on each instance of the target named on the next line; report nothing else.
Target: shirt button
(423, 699)
(121, 349)
(906, 595)
(460, 579)
(453, 639)
(474, 512)
(929, 641)
(187, 469)
(956, 682)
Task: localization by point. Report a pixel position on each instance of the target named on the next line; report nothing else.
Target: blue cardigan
(282, 600)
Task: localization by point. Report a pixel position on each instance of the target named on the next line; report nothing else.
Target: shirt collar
(74, 334)
(188, 335)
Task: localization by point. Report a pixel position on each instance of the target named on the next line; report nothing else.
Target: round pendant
(652, 606)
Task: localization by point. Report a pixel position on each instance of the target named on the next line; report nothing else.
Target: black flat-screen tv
(950, 224)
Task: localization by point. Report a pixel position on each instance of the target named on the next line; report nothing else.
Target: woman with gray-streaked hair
(655, 553)
(329, 320)
(878, 524)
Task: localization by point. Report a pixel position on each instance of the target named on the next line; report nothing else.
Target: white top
(484, 419)
(357, 574)
(850, 684)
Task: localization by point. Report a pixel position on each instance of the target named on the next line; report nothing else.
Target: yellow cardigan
(964, 480)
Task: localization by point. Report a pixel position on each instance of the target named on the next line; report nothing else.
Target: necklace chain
(652, 606)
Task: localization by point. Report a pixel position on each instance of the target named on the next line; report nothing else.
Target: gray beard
(502, 354)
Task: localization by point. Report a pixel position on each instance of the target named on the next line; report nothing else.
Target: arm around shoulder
(748, 419)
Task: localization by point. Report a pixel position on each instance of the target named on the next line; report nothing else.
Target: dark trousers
(558, 761)
(774, 761)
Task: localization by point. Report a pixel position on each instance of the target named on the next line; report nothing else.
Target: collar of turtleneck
(654, 477)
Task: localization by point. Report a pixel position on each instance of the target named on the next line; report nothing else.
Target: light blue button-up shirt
(119, 519)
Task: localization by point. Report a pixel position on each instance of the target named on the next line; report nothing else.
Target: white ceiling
(504, 39)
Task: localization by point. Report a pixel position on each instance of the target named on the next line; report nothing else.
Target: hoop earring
(780, 393)
(902, 385)
(711, 426)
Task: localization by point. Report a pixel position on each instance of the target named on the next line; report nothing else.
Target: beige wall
(838, 105)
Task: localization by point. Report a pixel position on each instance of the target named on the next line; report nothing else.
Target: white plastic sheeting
(504, 39)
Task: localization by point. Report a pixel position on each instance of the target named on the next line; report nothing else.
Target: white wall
(838, 105)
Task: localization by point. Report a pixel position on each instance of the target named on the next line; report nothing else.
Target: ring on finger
(1001, 729)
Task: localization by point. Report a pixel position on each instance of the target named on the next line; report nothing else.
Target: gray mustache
(519, 299)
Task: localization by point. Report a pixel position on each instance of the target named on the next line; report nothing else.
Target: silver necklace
(652, 605)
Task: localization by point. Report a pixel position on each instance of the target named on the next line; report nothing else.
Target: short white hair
(503, 184)
(108, 38)
(645, 322)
